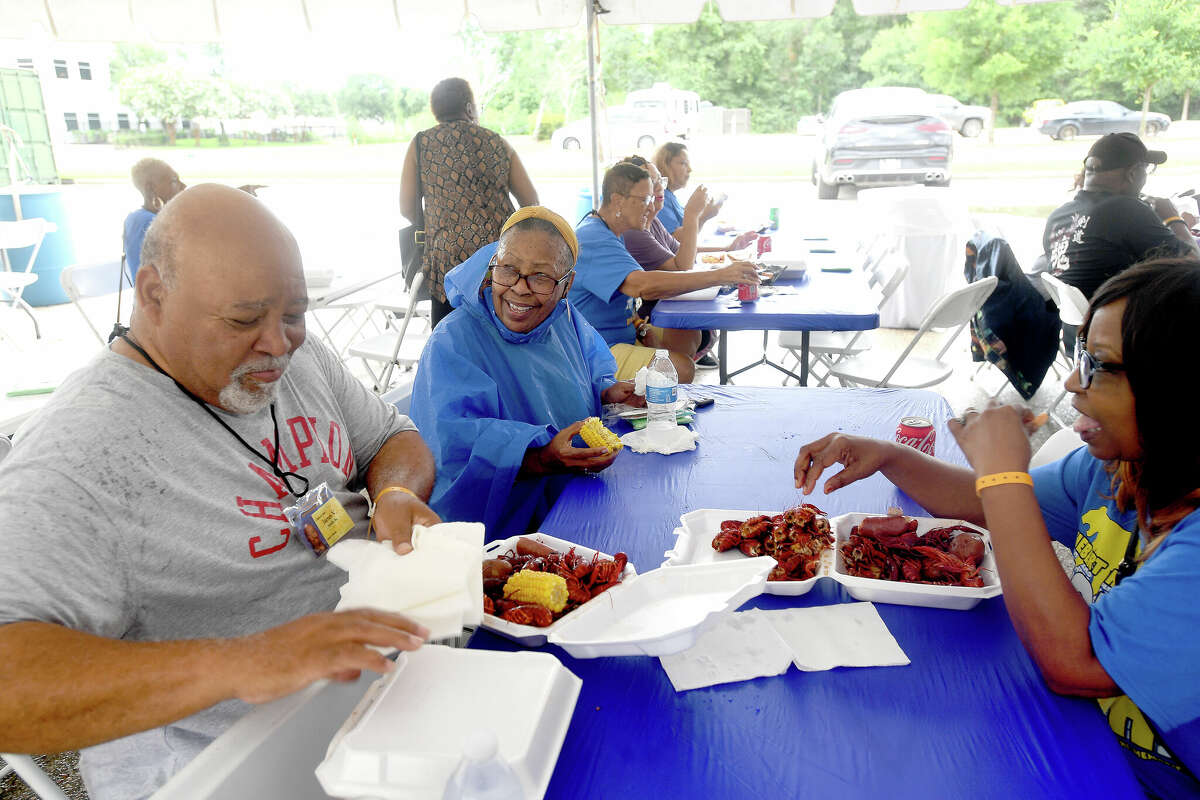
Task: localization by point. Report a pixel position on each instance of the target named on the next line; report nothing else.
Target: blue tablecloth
(970, 718)
(822, 301)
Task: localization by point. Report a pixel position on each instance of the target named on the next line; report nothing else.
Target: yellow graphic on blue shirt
(1099, 548)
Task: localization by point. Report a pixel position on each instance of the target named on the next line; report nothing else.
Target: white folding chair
(81, 281)
(348, 308)
(887, 272)
(383, 353)
(19, 235)
(953, 311)
(1062, 443)
(33, 775)
(1072, 308)
(401, 395)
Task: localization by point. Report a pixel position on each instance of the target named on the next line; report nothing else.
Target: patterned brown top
(464, 183)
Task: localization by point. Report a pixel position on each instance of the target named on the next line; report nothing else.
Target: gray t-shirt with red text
(129, 512)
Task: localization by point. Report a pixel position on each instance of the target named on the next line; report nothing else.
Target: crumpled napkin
(843, 635)
(752, 644)
(439, 584)
(666, 442)
(738, 647)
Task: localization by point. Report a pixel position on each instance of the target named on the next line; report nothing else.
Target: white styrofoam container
(404, 739)
(660, 612)
(530, 635)
(915, 594)
(694, 546)
(709, 293)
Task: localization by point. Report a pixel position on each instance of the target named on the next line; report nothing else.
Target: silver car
(882, 137)
(967, 120)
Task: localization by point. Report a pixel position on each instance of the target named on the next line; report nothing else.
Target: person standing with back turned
(463, 174)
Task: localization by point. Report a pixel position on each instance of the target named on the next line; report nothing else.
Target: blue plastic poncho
(483, 395)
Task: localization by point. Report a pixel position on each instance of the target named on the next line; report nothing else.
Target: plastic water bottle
(483, 774)
(662, 391)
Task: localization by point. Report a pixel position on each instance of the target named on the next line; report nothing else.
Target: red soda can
(747, 292)
(764, 244)
(917, 432)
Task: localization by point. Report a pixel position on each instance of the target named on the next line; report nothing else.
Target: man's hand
(738, 272)
(862, 457)
(622, 392)
(560, 455)
(395, 515)
(744, 240)
(333, 645)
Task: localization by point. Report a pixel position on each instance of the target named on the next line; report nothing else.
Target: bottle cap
(480, 745)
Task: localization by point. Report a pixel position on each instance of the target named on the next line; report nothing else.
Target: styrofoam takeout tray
(660, 612)
(699, 294)
(405, 738)
(693, 545)
(530, 635)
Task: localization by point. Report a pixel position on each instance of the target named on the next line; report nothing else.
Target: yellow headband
(560, 225)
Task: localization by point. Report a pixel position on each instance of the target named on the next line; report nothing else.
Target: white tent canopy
(212, 20)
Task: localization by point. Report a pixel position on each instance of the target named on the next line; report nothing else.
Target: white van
(678, 109)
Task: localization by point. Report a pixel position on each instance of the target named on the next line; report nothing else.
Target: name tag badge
(319, 520)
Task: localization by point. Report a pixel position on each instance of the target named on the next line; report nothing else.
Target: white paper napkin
(439, 584)
(738, 647)
(666, 442)
(845, 635)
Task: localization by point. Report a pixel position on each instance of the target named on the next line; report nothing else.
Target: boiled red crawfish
(794, 539)
(585, 577)
(889, 548)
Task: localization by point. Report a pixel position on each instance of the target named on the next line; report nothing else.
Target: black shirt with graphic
(1099, 234)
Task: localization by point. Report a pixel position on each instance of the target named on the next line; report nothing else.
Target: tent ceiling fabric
(213, 20)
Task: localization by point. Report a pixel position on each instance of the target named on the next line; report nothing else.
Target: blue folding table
(970, 717)
(813, 301)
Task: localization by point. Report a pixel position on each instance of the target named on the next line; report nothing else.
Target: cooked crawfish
(794, 539)
(889, 548)
(585, 577)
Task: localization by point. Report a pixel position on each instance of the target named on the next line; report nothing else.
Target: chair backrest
(414, 291)
(1060, 444)
(80, 281)
(92, 280)
(23, 232)
(401, 396)
(889, 274)
(5, 447)
(953, 310)
(1072, 305)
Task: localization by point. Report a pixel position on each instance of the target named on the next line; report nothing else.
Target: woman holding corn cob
(509, 379)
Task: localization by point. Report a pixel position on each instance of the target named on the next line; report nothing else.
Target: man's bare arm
(64, 689)
(403, 461)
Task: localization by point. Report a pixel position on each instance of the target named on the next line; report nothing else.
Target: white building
(76, 85)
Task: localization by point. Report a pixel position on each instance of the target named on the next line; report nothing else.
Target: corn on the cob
(540, 588)
(596, 435)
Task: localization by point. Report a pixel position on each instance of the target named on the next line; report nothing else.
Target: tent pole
(593, 108)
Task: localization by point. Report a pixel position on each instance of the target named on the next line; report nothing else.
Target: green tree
(167, 93)
(989, 51)
(368, 97)
(892, 59)
(1147, 43)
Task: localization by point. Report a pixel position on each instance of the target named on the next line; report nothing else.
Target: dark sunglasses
(1089, 366)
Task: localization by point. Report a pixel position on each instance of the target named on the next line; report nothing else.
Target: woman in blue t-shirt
(1124, 626)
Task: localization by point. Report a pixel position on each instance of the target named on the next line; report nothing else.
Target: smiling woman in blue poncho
(507, 379)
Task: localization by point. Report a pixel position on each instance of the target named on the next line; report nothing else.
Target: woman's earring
(618, 213)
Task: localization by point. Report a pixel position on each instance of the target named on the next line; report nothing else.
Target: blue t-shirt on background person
(603, 265)
(671, 214)
(1146, 632)
(136, 225)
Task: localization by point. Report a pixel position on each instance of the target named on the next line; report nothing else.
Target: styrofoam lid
(660, 605)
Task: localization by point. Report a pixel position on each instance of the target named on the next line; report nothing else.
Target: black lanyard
(283, 475)
(1128, 564)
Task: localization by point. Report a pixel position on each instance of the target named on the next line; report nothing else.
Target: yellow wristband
(1001, 478)
(1169, 220)
(379, 496)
